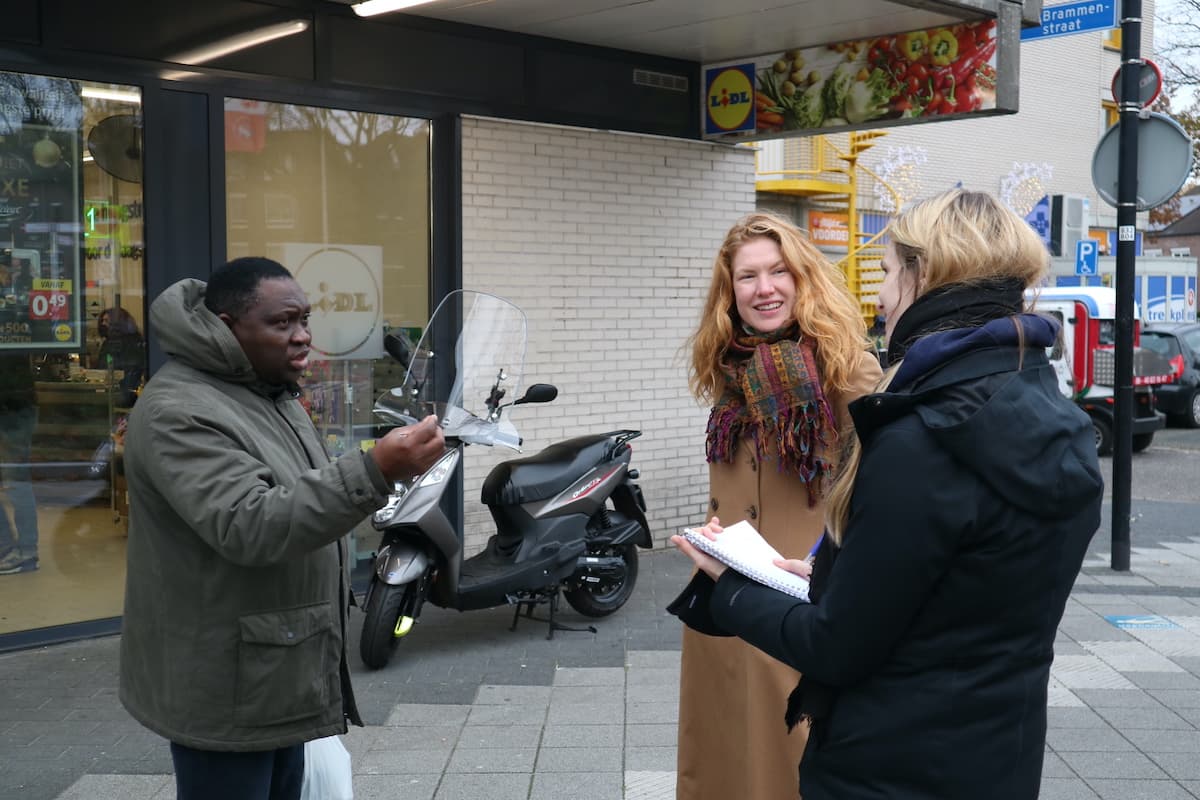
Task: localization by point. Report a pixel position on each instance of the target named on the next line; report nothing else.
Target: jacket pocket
(284, 665)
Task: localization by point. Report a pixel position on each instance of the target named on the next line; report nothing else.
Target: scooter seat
(544, 474)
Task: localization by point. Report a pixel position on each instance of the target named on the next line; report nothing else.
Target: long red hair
(825, 310)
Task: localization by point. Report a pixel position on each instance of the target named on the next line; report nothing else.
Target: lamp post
(1127, 187)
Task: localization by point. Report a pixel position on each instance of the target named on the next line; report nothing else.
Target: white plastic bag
(327, 771)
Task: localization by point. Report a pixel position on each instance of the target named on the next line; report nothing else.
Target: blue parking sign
(1087, 257)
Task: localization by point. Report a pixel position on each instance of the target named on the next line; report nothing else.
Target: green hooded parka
(237, 587)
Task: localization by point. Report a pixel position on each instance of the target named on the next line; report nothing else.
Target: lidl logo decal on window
(730, 99)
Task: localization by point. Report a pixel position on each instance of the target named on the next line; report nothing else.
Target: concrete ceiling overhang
(712, 31)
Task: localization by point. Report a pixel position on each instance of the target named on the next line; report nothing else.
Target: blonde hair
(964, 237)
(954, 237)
(824, 308)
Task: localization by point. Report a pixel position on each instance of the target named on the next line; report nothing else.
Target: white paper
(741, 547)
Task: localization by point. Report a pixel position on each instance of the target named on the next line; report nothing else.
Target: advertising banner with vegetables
(918, 76)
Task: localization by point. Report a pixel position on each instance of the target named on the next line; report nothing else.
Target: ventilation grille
(660, 80)
(1104, 367)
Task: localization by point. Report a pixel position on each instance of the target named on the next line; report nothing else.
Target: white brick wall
(606, 241)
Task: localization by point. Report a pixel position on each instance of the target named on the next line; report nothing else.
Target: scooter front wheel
(603, 597)
(379, 639)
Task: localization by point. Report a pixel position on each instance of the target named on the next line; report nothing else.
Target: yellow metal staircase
(825, 170)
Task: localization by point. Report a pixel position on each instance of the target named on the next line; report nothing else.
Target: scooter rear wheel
(379, 640)
(603, 598)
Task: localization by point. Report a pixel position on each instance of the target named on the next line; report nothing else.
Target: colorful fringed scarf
(773, 394)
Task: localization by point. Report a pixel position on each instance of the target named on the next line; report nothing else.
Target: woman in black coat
(122, 348)
(956, 530)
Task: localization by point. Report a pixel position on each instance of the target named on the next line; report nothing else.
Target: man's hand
(405, 452)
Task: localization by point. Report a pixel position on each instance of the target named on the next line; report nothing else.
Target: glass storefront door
(342, 199)
(72, 354)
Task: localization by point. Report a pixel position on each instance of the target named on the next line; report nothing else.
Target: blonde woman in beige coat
(780, 351)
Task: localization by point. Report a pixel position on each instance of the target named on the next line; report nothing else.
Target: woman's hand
(703, 561)
(796, 566)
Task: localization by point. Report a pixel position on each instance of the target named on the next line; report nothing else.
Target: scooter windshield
(486, 334)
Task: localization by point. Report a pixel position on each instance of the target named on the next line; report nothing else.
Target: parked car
(1084, 358)
(1179, 343)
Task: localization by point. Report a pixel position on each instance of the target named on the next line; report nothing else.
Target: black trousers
(262, 775)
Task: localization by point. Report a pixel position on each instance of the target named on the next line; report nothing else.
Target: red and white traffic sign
(1150, 82)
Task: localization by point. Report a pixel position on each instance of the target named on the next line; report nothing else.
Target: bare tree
(1177, 45)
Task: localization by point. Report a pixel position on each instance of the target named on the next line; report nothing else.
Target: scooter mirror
(398, 348)
(538, 393)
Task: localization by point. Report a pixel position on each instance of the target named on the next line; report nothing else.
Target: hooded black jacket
(978, 492)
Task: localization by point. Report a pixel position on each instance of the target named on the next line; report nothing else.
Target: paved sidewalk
(469, 709)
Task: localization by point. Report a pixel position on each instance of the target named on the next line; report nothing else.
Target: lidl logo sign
(729, 99)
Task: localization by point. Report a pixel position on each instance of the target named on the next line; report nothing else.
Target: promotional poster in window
(41, 234)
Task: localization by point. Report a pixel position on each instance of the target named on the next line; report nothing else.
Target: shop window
(72, 354)
(280, 211)
(236, 209)
(235, 171)
(341, 198)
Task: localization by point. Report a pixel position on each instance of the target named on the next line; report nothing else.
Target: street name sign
(1069, 18)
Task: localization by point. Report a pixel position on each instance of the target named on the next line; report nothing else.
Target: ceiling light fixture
(241, 41)
(370, 8)
(116, 95)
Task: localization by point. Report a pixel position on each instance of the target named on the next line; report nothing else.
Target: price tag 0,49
(49, 305)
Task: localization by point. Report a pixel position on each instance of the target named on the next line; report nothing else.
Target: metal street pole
(1127, 187)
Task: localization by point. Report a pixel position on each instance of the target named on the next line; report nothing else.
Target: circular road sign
(1149, 83)
(1164, 161)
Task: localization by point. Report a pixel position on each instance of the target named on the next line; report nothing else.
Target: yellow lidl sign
(729, 103)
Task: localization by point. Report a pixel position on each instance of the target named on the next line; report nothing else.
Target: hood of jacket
(974, 390)
(191, 333)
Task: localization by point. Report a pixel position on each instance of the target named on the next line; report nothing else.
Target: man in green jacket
(233, 641)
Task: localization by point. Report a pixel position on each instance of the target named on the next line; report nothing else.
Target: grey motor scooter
(568, 520)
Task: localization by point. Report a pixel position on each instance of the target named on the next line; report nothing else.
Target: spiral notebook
(745, 550)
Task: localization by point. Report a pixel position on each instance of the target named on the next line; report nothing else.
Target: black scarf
(955, 305)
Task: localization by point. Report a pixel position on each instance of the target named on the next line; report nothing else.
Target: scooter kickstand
(555, 625)
(517, 606)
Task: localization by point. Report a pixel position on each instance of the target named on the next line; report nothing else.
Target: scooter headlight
(404, 490)
(439, 471)
(384, 515)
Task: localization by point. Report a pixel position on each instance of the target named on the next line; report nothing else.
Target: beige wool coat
(732, 739)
